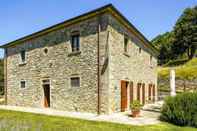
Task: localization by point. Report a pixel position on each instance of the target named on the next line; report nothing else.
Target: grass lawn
(19, 121)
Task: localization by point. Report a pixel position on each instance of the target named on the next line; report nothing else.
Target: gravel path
(146, 118)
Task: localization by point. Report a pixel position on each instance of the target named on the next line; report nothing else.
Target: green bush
(135, 105)
(181, 109)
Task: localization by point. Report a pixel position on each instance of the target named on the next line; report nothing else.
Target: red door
(138, 92)
(131, 92)
(123, 95)
(153, 92)
(149, 92)
(143, 93)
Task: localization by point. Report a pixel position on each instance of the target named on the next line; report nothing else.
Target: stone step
(156, 107)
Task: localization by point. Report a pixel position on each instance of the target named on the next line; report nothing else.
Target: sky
(19, 18)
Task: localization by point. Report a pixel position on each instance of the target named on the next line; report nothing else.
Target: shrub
(135, 105)
(181, 109)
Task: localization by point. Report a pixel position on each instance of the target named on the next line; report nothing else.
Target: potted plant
(135, 108)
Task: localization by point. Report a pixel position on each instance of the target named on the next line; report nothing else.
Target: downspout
(5, 75)
(98, 65)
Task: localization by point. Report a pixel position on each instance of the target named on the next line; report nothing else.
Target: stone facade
(132, 66)
(59, 64)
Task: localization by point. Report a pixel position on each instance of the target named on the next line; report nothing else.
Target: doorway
(46, 88)
(143, 94)
(124, 95)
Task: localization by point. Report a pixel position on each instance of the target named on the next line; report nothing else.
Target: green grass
(11, 120)
(187, 71)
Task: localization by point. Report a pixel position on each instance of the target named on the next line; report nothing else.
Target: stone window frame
(25, 84)
(126, 44)
(45, 50)
(23, 60)
(74, 35)
(151, 61)
(140, 50)
(70, 81)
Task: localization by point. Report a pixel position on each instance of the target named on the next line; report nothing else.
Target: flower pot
(135, 113)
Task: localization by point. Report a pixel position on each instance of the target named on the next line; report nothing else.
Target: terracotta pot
(135, 113)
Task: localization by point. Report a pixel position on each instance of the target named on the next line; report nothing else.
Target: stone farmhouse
(97, 62)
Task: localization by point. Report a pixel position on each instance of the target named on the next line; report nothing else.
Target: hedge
(180, 110)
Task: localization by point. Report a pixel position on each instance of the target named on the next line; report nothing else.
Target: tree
(163, 43)
(185, 33)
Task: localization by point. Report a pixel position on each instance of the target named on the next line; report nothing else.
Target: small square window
(23, 84)
(75, 42)
(75, 82)
(23, 56)
(125, 44)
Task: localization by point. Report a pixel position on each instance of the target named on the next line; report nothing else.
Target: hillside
(186, 76)
(186, 71)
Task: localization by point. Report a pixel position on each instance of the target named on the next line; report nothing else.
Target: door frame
(143, 93)
(122, 106)
(139, 85)
(48, 83)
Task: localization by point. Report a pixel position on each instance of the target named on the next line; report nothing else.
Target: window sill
(74, 53)
(126, 54)
(22, 64)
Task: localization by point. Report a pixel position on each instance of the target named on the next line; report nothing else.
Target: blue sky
(22, 17)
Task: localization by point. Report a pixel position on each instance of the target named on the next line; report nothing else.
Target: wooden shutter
(123, 95)
(153, 92)
(143, 94)
(131, 92)
(149, 91)
(138, 91)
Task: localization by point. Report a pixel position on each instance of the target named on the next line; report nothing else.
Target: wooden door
(149, 92)
(131, 92)
(143, 94)
(153, 92)
(46, 96)
(123, 95)
(138, 92)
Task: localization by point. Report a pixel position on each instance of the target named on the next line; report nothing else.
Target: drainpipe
(98, 64)
(5, 75)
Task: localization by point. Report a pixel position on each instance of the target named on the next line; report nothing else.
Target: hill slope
(186, 76)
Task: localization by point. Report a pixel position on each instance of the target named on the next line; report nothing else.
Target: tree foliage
(163, 44)
(181, 42)
(185, 31)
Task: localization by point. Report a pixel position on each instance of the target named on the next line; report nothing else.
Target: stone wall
(181, 84)
(132, 66)
(58, 65)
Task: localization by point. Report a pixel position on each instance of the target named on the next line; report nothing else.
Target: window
(23, 84)
(75, 82)
(151, 57)
(45, 50)
(140, 50)
(151, 61)
(23, 56)
(75, 42)
(125, 44)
